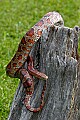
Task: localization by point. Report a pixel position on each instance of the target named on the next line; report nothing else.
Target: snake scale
(15, 66)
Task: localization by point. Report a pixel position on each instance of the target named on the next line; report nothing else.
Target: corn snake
(15, 66)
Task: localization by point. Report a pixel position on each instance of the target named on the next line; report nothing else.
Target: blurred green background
(16, 17)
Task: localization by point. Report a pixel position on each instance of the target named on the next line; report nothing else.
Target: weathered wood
(55, 54)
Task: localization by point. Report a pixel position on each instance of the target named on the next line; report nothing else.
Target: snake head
(27, 83)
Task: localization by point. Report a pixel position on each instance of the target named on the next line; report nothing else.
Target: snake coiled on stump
(15, 66)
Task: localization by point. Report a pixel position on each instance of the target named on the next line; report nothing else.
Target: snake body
(15, 66)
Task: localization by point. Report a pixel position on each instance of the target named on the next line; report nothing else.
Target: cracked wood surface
(55, 55)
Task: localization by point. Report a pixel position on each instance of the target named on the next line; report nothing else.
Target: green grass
(16, 17)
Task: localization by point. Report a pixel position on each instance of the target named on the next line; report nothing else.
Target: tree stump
(55, 54)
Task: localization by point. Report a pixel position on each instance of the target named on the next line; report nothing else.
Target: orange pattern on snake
(15, 66)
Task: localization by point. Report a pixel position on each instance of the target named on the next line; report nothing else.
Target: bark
(55, 55)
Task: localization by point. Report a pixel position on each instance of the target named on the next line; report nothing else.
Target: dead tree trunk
(54, 54)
